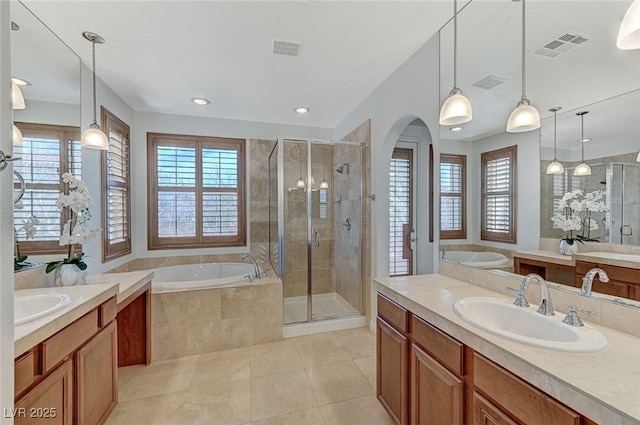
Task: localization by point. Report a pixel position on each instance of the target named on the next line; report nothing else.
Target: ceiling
(160, 54)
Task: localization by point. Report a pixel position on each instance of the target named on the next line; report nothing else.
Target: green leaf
(52, 266)
(81, 265)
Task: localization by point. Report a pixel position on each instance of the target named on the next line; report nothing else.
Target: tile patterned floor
(324, 379)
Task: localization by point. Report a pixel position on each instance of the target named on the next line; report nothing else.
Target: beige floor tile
(275, 395)
(126, 375)
(359, 344)
(320, 349)
(162, 378)
(338, 382)
(222, 366)
(158, 410)
(276, 357)
(360, 411)
(304, 417)
(368, 367)
(226, 403)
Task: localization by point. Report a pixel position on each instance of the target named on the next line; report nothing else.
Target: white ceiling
(160, 54)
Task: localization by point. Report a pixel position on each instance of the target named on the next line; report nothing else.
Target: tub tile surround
(601, 386)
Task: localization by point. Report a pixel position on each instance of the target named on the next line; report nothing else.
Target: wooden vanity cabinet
(623, 282)
(71, 377)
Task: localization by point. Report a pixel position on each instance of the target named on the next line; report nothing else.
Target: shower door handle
(316, 239)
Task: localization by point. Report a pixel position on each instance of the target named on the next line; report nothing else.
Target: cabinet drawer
(393, 313)
(26, 371)
(440, 345)
(515, 396)
(107, 312)
(68, 340)
(621, 274)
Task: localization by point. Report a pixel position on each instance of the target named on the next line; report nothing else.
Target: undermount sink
(521, 324)
(32, 307)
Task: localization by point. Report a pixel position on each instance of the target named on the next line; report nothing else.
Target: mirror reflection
(572, 63)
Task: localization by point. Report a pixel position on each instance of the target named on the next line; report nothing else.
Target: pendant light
(300, 184)
(93, 137)
(323, 183)
(638, 157)
(18, 140)
(583, 168)
(555, 167)
(525, 117)
(17, 99)
(629, 33)
(456, 109)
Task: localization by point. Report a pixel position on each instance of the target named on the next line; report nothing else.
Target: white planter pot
(566, 249)
(70, 275)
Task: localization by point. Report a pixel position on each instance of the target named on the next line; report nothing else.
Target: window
(453, 203)
(400, 212)
(116, 201)
(196, 191)
(47, 152)
(499, 195)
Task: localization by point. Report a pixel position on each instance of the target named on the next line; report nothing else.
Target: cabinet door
(97, 377)
(392, 373)
(485, 413)
(436, 394)
(50, 402)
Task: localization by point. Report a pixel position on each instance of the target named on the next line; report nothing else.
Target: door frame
(412, 144)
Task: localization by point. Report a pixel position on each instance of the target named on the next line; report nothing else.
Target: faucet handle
(572, 317)
(521, 301)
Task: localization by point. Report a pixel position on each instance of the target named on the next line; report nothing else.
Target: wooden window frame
(406, 154)
(66, 134)
(154, 242)
(462, 161)
(512, 153)
(113, 251)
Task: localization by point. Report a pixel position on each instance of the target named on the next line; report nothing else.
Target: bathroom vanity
(434, 367)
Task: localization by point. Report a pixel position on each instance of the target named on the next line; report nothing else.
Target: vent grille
(561, 44)
(489, 82)
(284, 47)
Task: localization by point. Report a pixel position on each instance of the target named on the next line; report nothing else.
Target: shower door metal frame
(309, 193)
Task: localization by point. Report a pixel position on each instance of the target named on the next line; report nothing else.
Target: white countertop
(547, 256)
(84, 298)
(610, 258)
(605, 387)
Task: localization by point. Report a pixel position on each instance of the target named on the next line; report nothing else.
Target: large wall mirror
(48, 74)
(572, 62)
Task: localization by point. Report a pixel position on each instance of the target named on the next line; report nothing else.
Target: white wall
(201, 126)
(456, 147)
(528, 179)
(38, 111)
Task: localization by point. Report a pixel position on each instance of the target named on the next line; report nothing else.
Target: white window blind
(498, 195)
(452, 197)
(117, 199)
(399, 211)
(46, 153)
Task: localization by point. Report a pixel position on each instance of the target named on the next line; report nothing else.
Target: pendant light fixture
(17, 99)
(456, 109)
(525, 117)
(629, 33)
(555, 167)
(93, 137)
(638, 157)
(583, 168)
(18, 140)
(323, 183)
(300, 184)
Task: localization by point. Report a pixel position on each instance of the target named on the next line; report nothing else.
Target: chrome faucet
(587, 280)
(444, 252)
(256, 269)
(546, 306)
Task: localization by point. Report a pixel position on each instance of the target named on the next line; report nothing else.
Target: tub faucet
(587, 280)
(444, 252)
(256, 269)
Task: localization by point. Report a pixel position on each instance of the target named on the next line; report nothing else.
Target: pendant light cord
(582, 135)
(455, 43)
(93, 52)
(555, 119)
(524, 69)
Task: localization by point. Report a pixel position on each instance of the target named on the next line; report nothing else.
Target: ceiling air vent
(282, 46)
(489, 82)
(563, 43)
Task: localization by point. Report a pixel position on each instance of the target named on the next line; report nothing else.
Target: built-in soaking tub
(202, 308)
(484, 260)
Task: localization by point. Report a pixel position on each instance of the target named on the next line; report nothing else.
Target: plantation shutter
(116, 219)
(47, 152)
(498, 195)
(453, 197)
(399, 211)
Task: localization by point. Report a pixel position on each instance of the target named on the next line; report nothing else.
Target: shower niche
(315, 190)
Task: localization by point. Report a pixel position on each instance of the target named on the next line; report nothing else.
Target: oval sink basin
(525, 325)
(32, 307)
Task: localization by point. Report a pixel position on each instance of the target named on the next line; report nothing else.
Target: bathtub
(483, 260)
(191, 277)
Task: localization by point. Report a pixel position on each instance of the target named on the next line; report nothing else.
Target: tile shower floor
(322, 379)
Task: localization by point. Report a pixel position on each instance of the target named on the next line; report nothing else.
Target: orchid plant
(76, 230)
(30, 226)
(576, 215)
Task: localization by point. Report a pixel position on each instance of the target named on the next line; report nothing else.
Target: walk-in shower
(314, 188)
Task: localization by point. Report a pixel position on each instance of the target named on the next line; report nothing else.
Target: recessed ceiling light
(585, 140)
(200, 101)
(301, 110)
(20, 81)
(456, 128)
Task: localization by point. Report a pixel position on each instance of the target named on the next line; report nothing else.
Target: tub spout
(256, 269)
